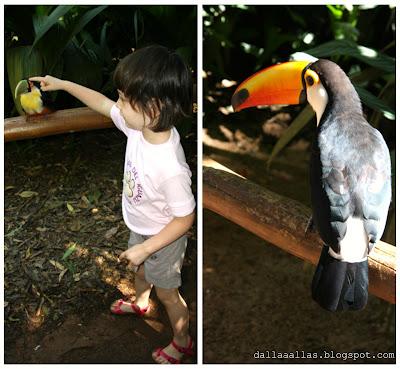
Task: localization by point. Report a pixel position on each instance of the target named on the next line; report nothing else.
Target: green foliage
(22, 62)
(69, 252)
(349, 48)
(84, 43)
(43, 22)
(297, 125)
(55, 31)
(375, 103)
(242, 39)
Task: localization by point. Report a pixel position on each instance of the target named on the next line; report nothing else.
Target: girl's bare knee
(140, 272)
(167, 295)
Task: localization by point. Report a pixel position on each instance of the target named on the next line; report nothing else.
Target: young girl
(155, 91)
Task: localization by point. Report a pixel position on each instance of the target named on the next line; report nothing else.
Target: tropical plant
(84, 43)
(56, 34)
(235, 48)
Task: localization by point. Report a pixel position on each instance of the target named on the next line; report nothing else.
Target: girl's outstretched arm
(93, 99)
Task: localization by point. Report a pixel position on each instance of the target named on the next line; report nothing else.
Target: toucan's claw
(310, 227)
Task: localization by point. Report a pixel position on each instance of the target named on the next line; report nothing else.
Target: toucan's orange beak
(279, 84)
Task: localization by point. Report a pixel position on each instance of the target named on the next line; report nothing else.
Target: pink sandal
(186, 351)
(135, 309)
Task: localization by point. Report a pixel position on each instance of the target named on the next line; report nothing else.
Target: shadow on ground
(257, 300)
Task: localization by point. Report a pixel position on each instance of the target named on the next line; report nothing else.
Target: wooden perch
(62, 121)
(282, 222)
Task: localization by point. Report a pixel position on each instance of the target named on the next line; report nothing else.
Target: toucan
(350, 174)
(33, 100)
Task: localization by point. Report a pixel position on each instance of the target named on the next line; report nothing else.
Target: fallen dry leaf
(111, 232)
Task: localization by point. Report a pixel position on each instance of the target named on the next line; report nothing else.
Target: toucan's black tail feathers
(339, 285)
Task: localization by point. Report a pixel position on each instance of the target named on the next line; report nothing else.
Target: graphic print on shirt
(133, 190)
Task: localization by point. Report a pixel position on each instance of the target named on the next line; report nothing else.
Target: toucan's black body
(349, 177)
(47, 102)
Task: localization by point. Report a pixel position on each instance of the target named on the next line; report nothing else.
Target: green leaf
(297, 125)
(94, 196)
(69, 251)
(79, 25)
(135, 27)
(336, 11)
(104, 45)
(27, 194)
(43, 9)
(21, 65)
(70, 207)
(50, 21)
(350, 48)
(88, 74)
(85, 19)
(366, 75)
(38, 21)
(374, 103)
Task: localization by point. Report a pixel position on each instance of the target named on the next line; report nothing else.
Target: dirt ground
(63, 233)
(257, 299)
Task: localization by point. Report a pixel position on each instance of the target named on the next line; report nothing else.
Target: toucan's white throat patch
(318, 99)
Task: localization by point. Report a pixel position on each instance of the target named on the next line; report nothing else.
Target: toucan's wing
(377, 191)
(337, 187)
(358, 184)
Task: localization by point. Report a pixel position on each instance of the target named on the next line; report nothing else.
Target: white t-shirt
(156, 180)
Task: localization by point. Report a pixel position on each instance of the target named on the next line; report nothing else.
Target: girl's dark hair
(155, 79)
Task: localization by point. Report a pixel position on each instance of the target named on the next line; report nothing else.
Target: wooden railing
(62, 121)
(283, 221)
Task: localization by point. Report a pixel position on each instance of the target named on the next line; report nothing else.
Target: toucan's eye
(311, 77)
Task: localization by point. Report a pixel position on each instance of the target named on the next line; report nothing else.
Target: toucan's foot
(310, 227)
(30, 118)
(40, 116)
(338, 285)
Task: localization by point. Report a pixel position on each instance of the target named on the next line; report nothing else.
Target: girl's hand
(49, 83)
(135, 255)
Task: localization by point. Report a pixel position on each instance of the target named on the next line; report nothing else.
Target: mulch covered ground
(63, 233)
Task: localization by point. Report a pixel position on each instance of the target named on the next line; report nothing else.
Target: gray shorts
(163, 268)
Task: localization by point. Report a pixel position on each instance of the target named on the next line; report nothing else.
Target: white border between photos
(199, 345)
(397, 198)
(2, 190)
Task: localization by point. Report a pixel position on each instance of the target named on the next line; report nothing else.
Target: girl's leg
(143, 290)
(178, 314)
